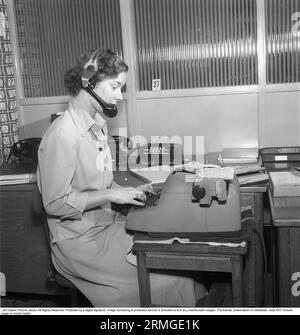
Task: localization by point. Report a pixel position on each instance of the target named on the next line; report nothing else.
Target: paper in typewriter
(155, 174)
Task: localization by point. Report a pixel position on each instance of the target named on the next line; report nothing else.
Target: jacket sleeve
(57, 165)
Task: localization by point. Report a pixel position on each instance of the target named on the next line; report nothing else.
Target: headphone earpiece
(88, 83)
(88, 77)
(91, 68)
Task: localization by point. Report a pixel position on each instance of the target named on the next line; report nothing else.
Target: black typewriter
(151, 201)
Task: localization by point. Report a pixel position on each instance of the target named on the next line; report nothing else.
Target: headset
(88, 84)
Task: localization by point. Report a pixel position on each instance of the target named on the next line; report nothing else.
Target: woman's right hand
(127, 195)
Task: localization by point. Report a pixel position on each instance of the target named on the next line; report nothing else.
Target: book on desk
(239, 156)
(18, 173)
(253, 178)
(15, 179)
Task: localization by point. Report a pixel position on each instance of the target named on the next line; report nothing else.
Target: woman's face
(109, 89)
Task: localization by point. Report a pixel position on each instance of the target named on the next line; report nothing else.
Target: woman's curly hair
(109, 65)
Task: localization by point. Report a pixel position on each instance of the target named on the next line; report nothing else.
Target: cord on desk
(263, 248)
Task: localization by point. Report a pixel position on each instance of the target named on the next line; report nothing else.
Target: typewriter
(186, 208)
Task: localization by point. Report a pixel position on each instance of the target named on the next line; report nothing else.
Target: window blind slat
(139, 40)
(53, 33)
(295, 45)
(282, 43)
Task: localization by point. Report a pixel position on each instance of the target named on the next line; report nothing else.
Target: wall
(280, 119)
(35, 118)
(225, 120)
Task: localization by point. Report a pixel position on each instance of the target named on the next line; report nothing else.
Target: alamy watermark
(139, 152)
(2, 286)
(296, 24)
(295, 289)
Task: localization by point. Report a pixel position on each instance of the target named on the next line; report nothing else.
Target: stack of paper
(239, 156)
(13, 179)
(253, 178)
(240, 170)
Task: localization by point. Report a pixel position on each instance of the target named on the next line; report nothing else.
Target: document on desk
(253, 178)
(191, 166)
(188, 241)
(131, 258)
(248, 169)
(216, 172)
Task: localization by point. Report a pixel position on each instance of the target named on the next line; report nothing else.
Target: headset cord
(263, 248)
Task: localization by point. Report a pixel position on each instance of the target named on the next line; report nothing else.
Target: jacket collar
(84, 122)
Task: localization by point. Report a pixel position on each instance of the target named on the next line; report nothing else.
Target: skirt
(96, 264)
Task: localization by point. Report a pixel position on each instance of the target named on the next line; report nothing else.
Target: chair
(53, 277)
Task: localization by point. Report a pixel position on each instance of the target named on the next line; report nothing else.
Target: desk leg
(144, 279)
(273, 265)
(237, 281)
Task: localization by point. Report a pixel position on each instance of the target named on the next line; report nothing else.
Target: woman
(88, 239)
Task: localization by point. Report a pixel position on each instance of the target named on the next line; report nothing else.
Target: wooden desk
(195, 257)
(286, 221)
(24, 256)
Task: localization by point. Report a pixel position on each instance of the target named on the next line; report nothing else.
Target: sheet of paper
(216, 172)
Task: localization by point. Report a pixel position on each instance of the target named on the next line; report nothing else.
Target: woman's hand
(127, 195)
(146, 188)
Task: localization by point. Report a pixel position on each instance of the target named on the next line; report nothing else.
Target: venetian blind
(53, 33)
(196, 43)
(282, 41)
